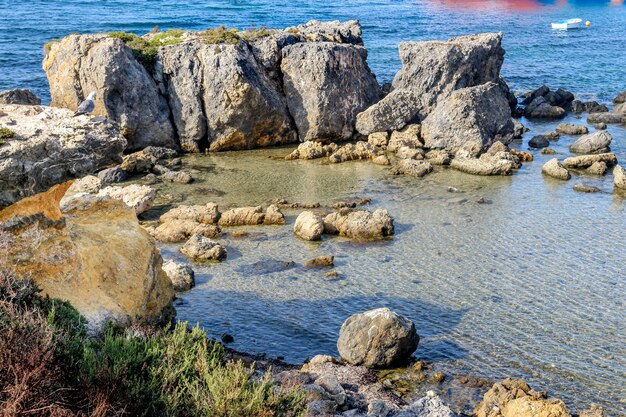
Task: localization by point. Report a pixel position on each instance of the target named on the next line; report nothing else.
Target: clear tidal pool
(530, 284)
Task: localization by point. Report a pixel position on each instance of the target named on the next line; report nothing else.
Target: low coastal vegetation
(5, 133)
(53, 368)
(145, 49)
(222, 34)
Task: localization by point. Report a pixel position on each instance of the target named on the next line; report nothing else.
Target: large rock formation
(327, 85)
(197, 91)
(80, 64)
(222, 98)
(377, 338)
(60, 247)
(431, 71)
(50, 147)
(471, 118)
(19, 96)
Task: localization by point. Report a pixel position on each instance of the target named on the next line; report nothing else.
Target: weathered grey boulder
(621, 98)
(126, 93)
(470, 118)
(619, 177)
(50, 147)
(222, 98)
(327, 85)
(181, 275)
(360, 224)
(377, 338)
(572, 129)
(598, 141)
(555, 169)
(431, 71)
(309, 226)
(539, 141)
(18, 96)
(113, 175)
(200, 248)
(585, 161)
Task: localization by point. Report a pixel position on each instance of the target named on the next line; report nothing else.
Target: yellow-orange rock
(92, 252)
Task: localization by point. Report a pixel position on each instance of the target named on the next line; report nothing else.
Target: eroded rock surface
(360, 224)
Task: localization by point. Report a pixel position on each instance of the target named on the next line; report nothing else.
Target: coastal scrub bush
(253, 33)
(51, 368)
(146, 49)
(220, 34)
(6, 133)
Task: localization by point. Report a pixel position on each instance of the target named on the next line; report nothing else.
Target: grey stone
(555, 169)
(18, 96)
(594, 142)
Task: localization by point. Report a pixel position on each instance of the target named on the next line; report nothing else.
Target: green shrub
(253, 33)
(146, 50)
(5, 133)
(220, 34)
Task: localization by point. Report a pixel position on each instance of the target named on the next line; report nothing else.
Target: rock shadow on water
(301, 328)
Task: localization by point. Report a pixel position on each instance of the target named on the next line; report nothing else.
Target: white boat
(568, 24)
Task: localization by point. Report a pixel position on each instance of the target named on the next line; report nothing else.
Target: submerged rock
(377, 338)
(67, 261)
(555, 169)
(411, 167)
(181, 177)
(514, 398)
(309, 226)
(431, 71)
(50, 147)
(486, 167)
(200, 248)
(320, 261)
(359, 224)
(327, 85)
(126, 92)
(621, 98)
(470, 118)
(181, 275)
(598, 141)
(18, 96)
(585, 188)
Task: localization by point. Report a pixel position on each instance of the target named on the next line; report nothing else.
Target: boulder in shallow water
(273, 216)
(327, 85)
(320, 261)
(540, 108)
(377, 339)
(208, 213)
(514, 398)
(180, 177)
(621, 98)
(309, 226)
(585, 161)
(353, 152)
(485, 167)
(598, 141)
(608, 118)
(50, 147)
(411, 167)
(555, 169)
(18, 96)
(597, 168)
(538, 142)
(181, 275)
(113, 175)
(242, 216)
(572, 129)
(312, 150)
(67, 259)
(619, 177)
(430, 72)
(409, 136)
(470, 118)
(126, 92)
(360, 224)
(200, 248)
(585, 188)
(179, 230)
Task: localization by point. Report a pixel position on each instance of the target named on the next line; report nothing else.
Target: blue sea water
(590, 62)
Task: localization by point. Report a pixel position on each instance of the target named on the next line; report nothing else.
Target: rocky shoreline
(218, 90)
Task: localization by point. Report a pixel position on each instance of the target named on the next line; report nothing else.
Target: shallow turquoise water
(590, 62)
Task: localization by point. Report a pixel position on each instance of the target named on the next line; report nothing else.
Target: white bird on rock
(86, 106)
